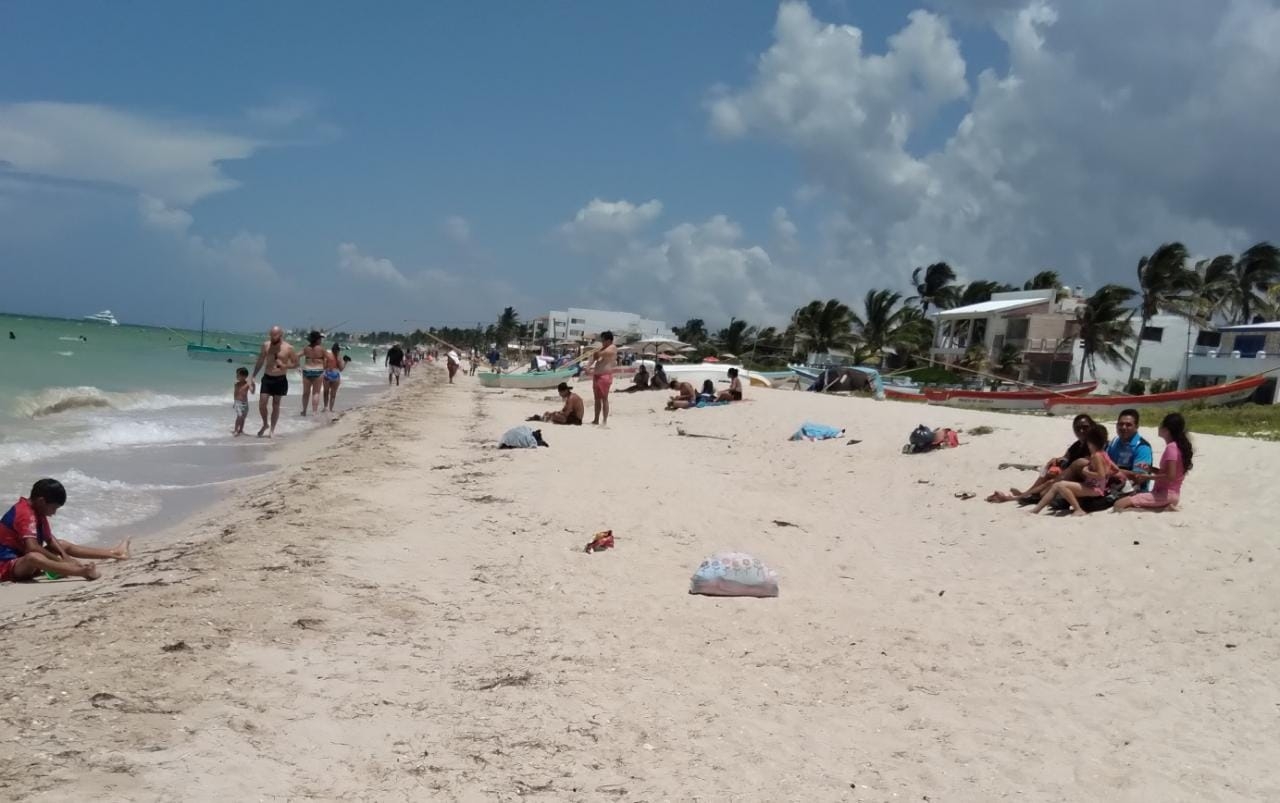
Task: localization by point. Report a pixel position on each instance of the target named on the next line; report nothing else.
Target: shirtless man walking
(275, 359)
(606, 357)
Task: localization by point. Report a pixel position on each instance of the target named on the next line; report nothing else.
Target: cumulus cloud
(364, 266)
(1114, 127)
(176, 162)
(602, 222)
(157, 214)
(457, 229)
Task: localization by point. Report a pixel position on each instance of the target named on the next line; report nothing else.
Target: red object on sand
(603, 540)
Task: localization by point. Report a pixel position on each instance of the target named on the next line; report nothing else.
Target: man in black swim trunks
(395, 363)
(275, 358)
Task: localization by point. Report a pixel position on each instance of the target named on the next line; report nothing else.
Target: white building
(1042, 325)
(578, 323)
(1234, 352)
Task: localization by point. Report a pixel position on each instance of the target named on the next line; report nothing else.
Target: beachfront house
(1042, 326)
(581, 324)
(1234, 352)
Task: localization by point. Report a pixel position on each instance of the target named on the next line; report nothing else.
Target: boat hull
(904, 394)
(541, 380)
(214, 354)
(718, 373)
(1006, 400)
(1107, 406)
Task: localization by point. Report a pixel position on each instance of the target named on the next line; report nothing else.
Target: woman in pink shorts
(1175, 462)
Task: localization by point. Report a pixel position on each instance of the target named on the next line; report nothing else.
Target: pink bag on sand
(734, 574)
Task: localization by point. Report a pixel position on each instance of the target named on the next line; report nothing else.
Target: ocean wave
(114, 435)
(65, 353)
(52, 401)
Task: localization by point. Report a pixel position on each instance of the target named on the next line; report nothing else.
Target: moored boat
(718, 372)
(1028, 399)
(224, 354)
(533, 380)
(1107, 406)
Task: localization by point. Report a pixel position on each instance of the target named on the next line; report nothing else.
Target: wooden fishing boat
(532, 380)
(900, 393)
(1106, 407)
(1028, 399)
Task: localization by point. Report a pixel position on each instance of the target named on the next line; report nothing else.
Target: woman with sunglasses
(1069, 467)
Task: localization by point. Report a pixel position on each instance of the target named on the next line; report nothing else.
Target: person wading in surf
(275, 359)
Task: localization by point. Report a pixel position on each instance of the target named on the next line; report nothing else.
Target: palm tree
(508, 325)
(821, 326)
(1235, 287)
(736, 338)
(980, 290)
(933, 286)
(1044, 280)
(1104, 327)
(885, 323)
(694, 331)
(1166, 284)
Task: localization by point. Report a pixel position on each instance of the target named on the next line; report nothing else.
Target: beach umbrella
(710, 359)
(728, 356)
(657, 344)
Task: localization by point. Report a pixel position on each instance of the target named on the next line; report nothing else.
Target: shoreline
(433, 630)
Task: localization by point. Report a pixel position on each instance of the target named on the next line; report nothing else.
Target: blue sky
(313, 162)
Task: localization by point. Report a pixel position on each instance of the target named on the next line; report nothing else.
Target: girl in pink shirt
(1175, 462)
(1096, 473)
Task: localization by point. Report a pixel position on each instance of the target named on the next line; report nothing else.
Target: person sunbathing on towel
(572, 411)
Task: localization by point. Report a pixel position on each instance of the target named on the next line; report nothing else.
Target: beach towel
(734, 574)
(521, 438)
(705, 403)
(810, 431)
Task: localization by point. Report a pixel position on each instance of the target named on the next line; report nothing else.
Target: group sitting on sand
(1096, 473)
(687, 397)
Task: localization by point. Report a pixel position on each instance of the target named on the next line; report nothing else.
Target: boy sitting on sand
(27, 545)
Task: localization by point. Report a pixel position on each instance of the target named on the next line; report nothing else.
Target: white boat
(103, 317)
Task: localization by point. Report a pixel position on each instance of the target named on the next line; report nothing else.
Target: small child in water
(241, 393)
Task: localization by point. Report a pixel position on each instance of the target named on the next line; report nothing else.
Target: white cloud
(176, 162)
(159, 215)
(784, 231)
(363, 266)
(457, 229)
(1116, 126)
(602, 222)
(283, 112)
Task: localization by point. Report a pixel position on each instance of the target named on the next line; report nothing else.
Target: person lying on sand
(734, 393)
(28, 547)
(573, 409)
(1069, 467)
(685, 396)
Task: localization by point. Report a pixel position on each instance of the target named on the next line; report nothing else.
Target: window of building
(1209, 339)
(1017, 328)
(577, 320)
(1249, 345)
(1144, 374)
(1153, 334)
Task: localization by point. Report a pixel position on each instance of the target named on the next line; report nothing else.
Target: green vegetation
(1260, 421)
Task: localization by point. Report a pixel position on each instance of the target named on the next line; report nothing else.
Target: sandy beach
(406, 613)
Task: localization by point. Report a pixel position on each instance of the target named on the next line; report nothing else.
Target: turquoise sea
(137, 431)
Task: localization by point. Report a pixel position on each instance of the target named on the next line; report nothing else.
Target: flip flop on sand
(965, 495)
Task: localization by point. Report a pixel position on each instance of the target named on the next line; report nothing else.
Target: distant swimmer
(314, 359)
(275, 359)
(12, 336)
(375, 356)
(29, 548)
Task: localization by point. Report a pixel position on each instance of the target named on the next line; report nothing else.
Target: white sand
(350, 629)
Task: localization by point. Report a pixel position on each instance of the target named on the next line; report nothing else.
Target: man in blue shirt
(1128, 450)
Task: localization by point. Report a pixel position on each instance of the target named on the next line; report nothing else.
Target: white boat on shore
(718, 372)
(104, 316)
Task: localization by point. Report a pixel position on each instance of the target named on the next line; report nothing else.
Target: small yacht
(103, 317)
